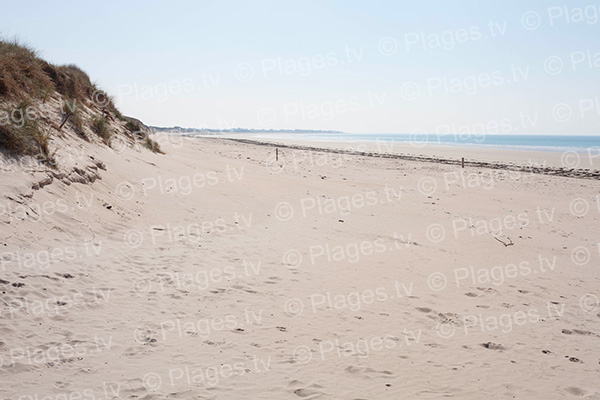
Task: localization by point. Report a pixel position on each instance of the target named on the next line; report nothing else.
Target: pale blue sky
(347, 65)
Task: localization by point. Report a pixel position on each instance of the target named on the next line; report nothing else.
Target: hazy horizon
(517, 67)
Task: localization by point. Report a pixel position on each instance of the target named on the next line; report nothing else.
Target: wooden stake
(65, 121)
(462, 162)
(276, 154)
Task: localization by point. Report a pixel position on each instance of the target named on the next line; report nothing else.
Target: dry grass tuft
(22, 72)
(23, 136)
(101, 127)
(71, 82)
(153, 146)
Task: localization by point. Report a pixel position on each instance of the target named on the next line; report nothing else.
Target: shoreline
(542, 170)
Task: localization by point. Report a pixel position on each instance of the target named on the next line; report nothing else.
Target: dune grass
(153, 146)
(101, 127)
(25, 79)
(22, 72)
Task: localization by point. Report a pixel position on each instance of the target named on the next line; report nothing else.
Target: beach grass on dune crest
(22, 71)
(26, 80)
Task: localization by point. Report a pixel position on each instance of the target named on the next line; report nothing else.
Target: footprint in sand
(351, 369)
(586, 333)
(309, 392)
(493, 346)
(574, 359)
(380, 374)
(575, 391)
(488, 290)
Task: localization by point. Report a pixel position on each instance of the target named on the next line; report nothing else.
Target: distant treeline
(235, 130)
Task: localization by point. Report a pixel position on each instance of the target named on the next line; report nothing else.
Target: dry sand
(215, 272)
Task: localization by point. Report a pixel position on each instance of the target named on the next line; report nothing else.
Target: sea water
(554, 143)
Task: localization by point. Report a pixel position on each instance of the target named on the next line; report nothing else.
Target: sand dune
(216, 272)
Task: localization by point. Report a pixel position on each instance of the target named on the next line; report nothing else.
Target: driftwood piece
(506, 244)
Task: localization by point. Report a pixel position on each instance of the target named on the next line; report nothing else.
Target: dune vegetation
(30, 88)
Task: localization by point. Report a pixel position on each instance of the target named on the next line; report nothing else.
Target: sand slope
(213, 273)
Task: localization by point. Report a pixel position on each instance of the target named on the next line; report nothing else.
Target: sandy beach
(218, 272)
(299, 200)
(418, 147)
